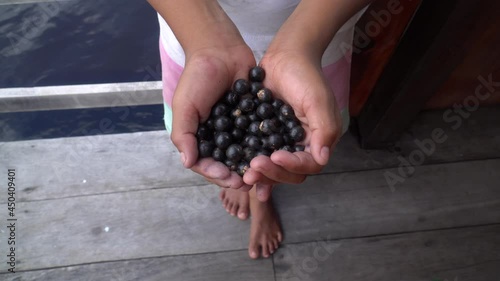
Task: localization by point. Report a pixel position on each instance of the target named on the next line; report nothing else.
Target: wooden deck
(121, 207)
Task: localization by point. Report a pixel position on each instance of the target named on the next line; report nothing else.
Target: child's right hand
(208, 73)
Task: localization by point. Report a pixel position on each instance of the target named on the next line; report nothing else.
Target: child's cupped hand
(208, 73)
(299, 81)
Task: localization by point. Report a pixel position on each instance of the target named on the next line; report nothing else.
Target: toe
(270, 246)
(229, 207)
(253, 250)
(222, 195)
(279, 236)
(243, 210)
(234, 210)
(276, 244)
(242, 215)
(265, 250)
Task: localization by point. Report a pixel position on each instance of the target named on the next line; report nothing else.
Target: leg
(265, 230)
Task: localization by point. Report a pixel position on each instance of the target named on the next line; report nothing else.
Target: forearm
(198, 24)
(314, 23)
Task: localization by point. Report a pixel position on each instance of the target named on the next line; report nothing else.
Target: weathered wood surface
(452, 255)
(205, 267)
(190, 220)
(363, 203)
(58, 168)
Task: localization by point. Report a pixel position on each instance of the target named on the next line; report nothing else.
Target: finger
(323, 120)
(200, 78)
(217, 173)
(297, 162)
(252, 177)
(274, 172)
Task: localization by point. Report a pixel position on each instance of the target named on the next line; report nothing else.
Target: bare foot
(235, 202)
(265, 230)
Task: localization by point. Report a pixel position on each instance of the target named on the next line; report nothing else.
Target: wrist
(198, 24)
(213, 36)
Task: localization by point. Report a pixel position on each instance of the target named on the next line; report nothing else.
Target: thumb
(325, 129)
(184, 126)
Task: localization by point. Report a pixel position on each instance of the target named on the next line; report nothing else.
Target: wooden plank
(190, 220)
(475, 137)
(451, 255)
(122, 226)
(112, 163)
(423, 61)
(363, 203)
(80, 96)
(95, 164)
(206, 267)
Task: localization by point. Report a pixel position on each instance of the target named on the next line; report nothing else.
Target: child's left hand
(299, 81)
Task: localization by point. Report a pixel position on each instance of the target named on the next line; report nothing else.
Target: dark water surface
(78, 42)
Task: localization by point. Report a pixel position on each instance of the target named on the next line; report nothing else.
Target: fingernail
(183, 158)
(324, 153)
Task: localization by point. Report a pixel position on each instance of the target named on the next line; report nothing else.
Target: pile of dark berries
(247, 122)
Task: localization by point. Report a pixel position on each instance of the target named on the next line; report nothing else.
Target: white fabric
(258, 21)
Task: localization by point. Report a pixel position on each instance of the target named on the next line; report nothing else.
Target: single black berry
(265, 111)
(246, 104)
(231, 98)
(287, 140)
(204, 133)
(256, 101)
(210, 123)
(222, 124)
(223, 140)
(275, 141)
(265, 127)
(257, 74)
(205, 149)
(242, 122)
(299, 147)
(265, 95)
(297, 134)
(234, 152)
(241, 86)
(242, 168)
(275, 125)
(250, 153)
(255, 87)
(231, 165)
(254, 142)
(287, 111)
(254, 128)
(237, 134)
(277, 104)
(290, 124)
(254, 117)
(220, 109)
(219, 154)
